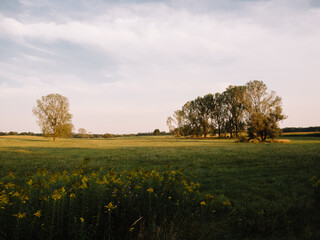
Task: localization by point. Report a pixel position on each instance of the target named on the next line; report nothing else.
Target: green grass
(255, 177)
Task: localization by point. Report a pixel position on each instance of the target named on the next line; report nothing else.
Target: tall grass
(87, 204)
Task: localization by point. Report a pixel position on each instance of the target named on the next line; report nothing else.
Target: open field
(267, 184)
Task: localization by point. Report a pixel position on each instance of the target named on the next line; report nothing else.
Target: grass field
(267, 184)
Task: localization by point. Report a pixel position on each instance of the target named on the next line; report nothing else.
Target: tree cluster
(251, 108)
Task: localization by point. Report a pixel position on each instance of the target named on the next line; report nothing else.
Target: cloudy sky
(126, 65)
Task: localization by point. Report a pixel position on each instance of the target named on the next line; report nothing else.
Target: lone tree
(83, 133)
(53, 116)
(156, 132)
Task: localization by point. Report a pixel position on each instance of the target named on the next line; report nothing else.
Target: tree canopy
(250, 107)
(52, 112)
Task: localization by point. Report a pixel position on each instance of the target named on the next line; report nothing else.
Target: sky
(127, 65)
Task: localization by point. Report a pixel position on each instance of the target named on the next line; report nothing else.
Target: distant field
(301, 134)
(255, 177)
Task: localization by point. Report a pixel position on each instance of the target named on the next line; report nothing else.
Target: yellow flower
(84, 185)
(110, 207)
(16, 194)
(30, 182)
(209, 196)
(24, 198)
(11, 175)
(37, 214)
(9, 185)
(169, 197)
(53, 179)
(56, 195)
(203, 203)
(82, 220)
(137, 187)
(150, 190)
(84, 179)
(189, 189)
(4, 199)
(227, 203)
(19, 215)
(72, 195)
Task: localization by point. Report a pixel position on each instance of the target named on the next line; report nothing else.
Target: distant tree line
(250, 108)
(301, 129)
(156, 132)
(22, 133)
(88, 135)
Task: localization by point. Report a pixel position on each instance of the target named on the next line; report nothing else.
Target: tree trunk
(204, 131)
(237, 134)
(54, 133)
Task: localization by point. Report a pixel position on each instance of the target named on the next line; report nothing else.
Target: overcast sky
(126, 65)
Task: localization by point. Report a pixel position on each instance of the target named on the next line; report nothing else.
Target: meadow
(268, 185)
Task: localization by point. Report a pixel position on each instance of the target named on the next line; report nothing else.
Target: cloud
(142, 60)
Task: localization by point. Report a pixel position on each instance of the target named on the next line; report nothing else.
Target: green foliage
(262, 127)
(87, 204)
(156, 132)
(264, 111)
(235, 109)
(82, 133)
(238, 108)
(53, 116)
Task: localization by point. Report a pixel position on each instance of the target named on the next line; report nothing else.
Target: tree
(179, 120)
(156, 132)
(170, 124)
(202, 109)
(264, 111)
(234, 102)
(53, 116)
(83, 133)
(219, 112)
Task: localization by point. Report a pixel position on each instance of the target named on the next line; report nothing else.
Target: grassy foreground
(267, 184)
